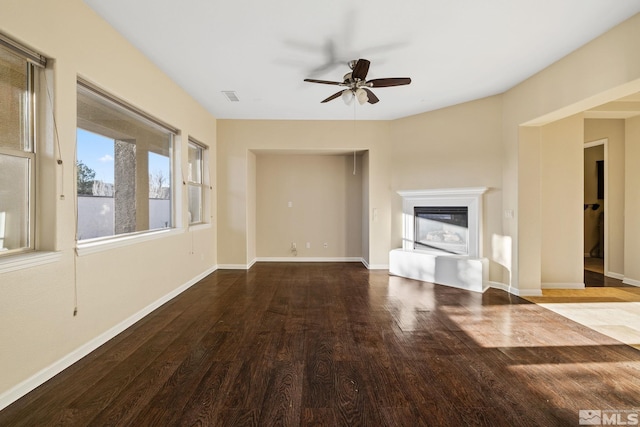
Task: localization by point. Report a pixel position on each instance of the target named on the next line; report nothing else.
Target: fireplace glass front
(442, 227)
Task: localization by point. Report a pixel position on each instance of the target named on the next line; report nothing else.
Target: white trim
(496, 285)
(60, 365)
(550, 285)
(95, 246)
(514, 291)
(28, 260)
(289, 259)
(233, 266)
(374, 266)
(309, 259)
(525, 292)
(200, 226)
(613, 275)
(596, 143)
(418, 194)
(631, 282)
(378, 267)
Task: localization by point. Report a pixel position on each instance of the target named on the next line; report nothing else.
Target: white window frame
(204, 185)
(88, 246)
(32, 61)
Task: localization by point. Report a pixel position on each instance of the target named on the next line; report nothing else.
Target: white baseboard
(377, 266)
(515, 291)
(233, 266)
(615, 275)
(16, 392)
(631, 282)
(309, 259)
(302, 259)
(526, 292)
(549, 285)
(496, 285)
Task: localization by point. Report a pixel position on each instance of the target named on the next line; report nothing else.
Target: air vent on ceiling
(231, 95)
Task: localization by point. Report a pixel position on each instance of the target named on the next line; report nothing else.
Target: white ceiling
(453, 50)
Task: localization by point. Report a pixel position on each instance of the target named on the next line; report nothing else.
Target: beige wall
(236, 138)
(614, 132)
(561, 202)
(459, 146)
(252, 208)
(37, 303)
(507, 156)
(632, 202)
(366, 212)
(326, 206)
(603, 70)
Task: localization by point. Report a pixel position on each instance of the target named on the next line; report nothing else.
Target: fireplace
(453, 216)
(442, 238)
(444, 228)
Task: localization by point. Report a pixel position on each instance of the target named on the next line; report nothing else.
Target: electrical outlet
(293, 245)
(308, 245)
(326, 245)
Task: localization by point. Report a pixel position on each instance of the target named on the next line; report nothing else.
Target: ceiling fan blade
(332, 97)
(392, 81)
(372, 97)
(361, 69)
(325, 82)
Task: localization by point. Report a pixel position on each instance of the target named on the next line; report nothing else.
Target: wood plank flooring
(337, 345)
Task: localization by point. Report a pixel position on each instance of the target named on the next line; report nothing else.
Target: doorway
(595, 202)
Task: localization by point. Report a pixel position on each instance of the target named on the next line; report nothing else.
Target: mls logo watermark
(608, 417)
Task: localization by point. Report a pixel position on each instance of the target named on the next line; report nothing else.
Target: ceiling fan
(357, 86)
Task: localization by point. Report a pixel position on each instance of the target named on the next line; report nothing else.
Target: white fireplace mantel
(469, 197)
(461, 271)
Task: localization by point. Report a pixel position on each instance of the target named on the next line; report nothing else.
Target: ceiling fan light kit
(357, 85)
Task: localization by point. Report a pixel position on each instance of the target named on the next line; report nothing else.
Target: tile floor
(614, 312)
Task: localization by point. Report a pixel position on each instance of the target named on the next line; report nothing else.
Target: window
(195, 182)
(124, 167)
(18, 71)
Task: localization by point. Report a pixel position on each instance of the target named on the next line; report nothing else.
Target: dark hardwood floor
(335, 344)
(594, 275)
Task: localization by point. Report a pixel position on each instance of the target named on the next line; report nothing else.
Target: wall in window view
(96, 216)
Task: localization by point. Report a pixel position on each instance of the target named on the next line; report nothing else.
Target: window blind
(30, 55)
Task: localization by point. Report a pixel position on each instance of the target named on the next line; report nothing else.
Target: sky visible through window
(96, 152)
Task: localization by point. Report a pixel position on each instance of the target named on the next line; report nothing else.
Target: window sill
(201, 226)
(86, 248)
(28, 260)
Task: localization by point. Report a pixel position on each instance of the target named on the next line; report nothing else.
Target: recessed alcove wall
(309, 198)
